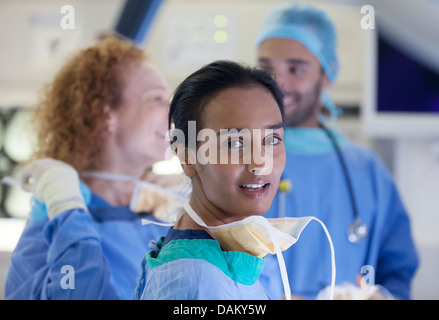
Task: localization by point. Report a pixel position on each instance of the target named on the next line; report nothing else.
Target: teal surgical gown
(319, 189)
(79, 254)
(190, 265)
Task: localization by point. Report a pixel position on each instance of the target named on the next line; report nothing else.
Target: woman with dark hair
(211, 252)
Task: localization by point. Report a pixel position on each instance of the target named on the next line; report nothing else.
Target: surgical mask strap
(11, 181)
(163, 224)
(282, 267)
(280, 258)
(271, 231)
(328, 236)
(193, 214)
(107, 176)
(281, 261)
(137, 187)
(188, 209)
(138, 182)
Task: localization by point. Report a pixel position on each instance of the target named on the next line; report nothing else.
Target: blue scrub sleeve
(76, 243)
(397, 249)
(394, 252)
(74, 266)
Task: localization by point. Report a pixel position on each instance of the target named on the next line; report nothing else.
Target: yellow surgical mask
(251, 236)
(259, 236)
(164, 202)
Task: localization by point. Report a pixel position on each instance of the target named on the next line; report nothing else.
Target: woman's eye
(160, 98)
(235, 144)
(155, 97)
(272, 140)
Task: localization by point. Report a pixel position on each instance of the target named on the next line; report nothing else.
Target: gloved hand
(54, 183)
(348, 291)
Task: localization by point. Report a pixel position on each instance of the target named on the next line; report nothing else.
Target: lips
(253, 186)
(255, 189)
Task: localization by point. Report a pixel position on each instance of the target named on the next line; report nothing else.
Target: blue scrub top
(319, 189)
(79, 254)
(190, 265)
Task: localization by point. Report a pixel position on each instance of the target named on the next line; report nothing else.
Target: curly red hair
(70, 120)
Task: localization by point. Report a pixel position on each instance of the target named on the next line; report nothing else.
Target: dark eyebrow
(297, 61)
(273, 127)
(277, 126)
(290, 61)
(265, 60)
(228, 129)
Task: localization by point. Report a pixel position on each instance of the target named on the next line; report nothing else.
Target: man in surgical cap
(298, 44)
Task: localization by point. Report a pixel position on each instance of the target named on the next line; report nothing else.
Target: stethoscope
(357, 230)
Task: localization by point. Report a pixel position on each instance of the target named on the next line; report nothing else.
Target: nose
(259, 170)
(261, 162)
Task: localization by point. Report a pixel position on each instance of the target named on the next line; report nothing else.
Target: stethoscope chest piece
(357, 231)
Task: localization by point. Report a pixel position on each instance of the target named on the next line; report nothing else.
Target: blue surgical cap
(307, 25)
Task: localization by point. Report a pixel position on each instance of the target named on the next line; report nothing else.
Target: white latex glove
(54, 183)
(348, 291)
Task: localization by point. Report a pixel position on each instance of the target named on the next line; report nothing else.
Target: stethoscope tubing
(357, 230)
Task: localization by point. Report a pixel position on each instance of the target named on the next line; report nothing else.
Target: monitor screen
(404, 84)
(401, 94)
